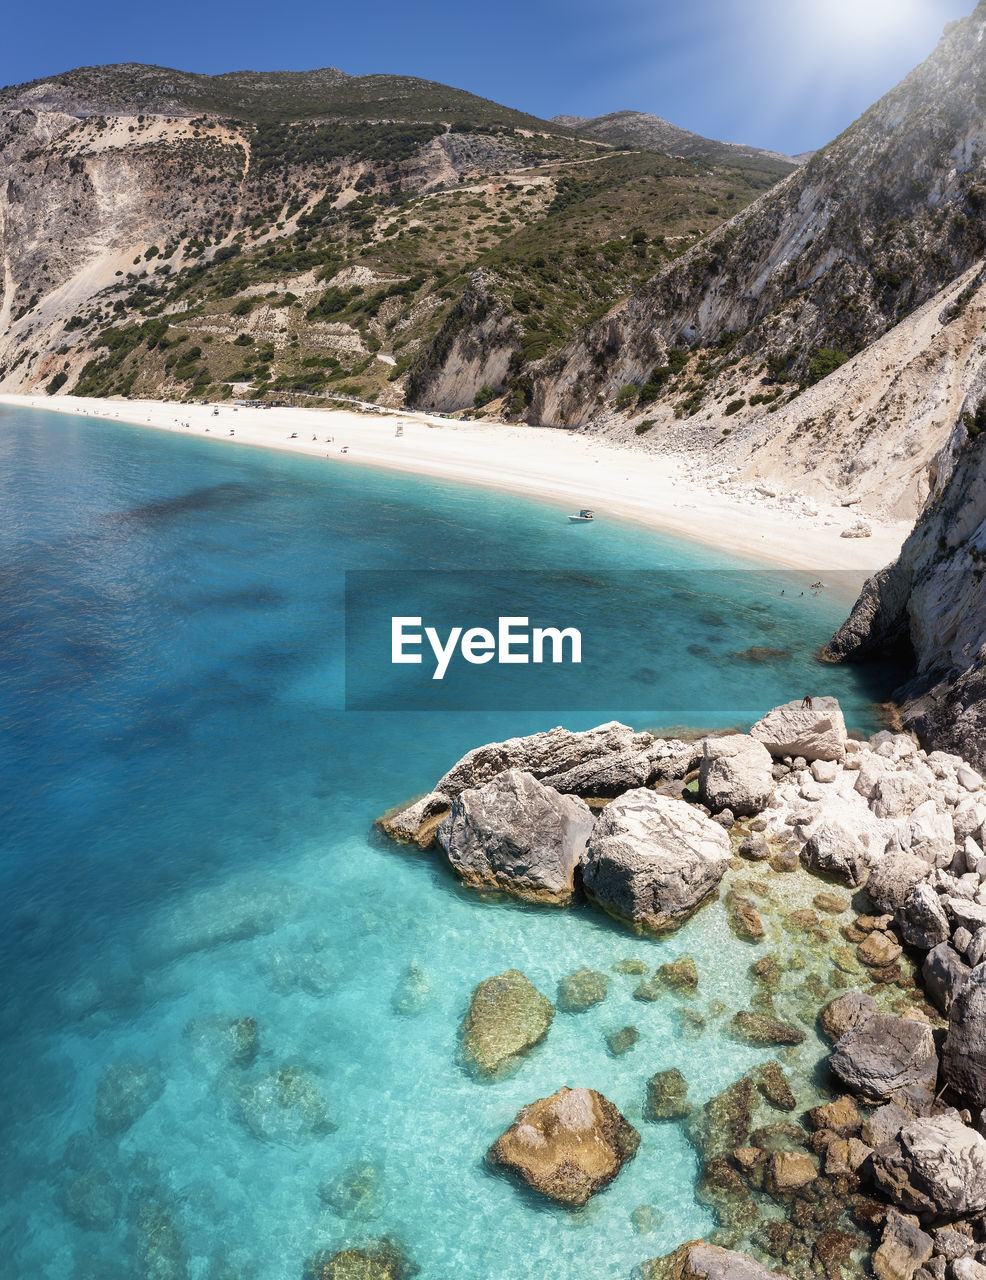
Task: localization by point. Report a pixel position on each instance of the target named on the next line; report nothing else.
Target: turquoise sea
(186, 831)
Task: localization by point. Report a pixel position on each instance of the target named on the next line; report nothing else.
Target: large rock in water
(935, 1167)
(603, 762)
(697, 1260)
(837, 850)
(815, 733)
(652, 860)
(735, 773)
(964, 1059)
(516, 835)
(507, 1017)
(884, 1056)
(568, 1146)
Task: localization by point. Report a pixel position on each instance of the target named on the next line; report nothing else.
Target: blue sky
(785, 74)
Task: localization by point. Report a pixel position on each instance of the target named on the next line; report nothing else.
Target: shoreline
(786, 530)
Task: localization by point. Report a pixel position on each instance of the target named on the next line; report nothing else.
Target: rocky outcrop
(518, 836)
(930, 602)
(568, 1146)
(735, 774)
(922, 920)
(698, 1260)
(964, 1057)
(652, 860)
(817, 732)
(884, 1056)
(601, 762)
(836, 849)
(935, 1167)
(903, 1249)
(507, 1017)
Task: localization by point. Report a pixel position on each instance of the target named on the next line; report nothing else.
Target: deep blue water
(186, 834)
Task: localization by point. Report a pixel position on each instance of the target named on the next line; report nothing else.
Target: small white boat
(584, 516)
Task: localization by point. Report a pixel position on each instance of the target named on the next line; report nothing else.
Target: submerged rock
(221, 1043)
(518, 836)
(582, 989)
(815, 733)
(632, 967)
(381, 1260)
(884, 1055)
(160, 1250)
(667, 1096)
(652, 860)
(92, 1200)
(724, 1122)
(744, 919)
(754, 1028)
(284, 1106)
(735, 774)
(412, 992)
(126, 1090)
(355, 1192)
(680, 975)
(507, 1017)
(568, 1146)
(646, 1219)
(772, 1083)
(621, 1040)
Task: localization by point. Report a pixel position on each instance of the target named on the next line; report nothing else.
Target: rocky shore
(856, 872)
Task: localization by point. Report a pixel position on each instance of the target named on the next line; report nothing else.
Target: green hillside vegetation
(267, 96)
(326, 254)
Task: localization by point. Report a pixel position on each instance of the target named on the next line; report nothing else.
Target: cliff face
(933, 599)
(871, 227)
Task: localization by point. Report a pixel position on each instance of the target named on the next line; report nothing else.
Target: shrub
(823, 363)
(734, 406)
(627, 396)
(643, 427)
(57, 381)
(483, 396)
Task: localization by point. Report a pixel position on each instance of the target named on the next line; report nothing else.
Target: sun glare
(867, 23)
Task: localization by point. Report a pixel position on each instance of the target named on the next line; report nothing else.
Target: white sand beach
(567, 469)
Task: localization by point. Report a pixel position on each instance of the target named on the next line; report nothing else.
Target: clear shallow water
(186, 831)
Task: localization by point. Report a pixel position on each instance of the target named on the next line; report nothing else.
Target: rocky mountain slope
(931, 603)
(309, 234)
(731, 350)
(640, 129)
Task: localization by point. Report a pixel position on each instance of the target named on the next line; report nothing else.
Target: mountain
(734, 351)
(313, 233)
(638, 129)
(130, 88)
